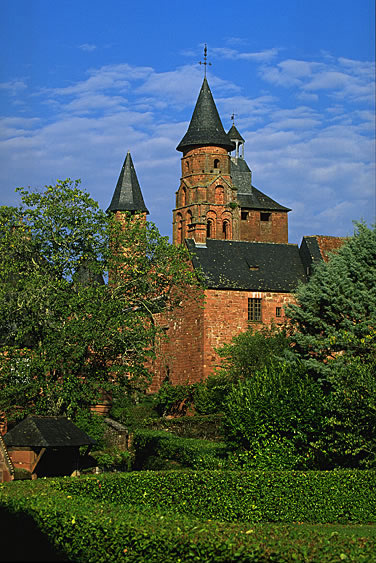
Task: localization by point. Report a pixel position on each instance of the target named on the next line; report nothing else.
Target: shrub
(275, 415)
(251, 351)
(163, 450)
(174, 399)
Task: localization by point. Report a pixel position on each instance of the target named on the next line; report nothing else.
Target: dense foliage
(307, 398)
(335, 312)
(205, 516)
(67, 334)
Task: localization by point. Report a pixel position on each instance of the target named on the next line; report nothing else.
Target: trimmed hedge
(155, 449)
(255, 496)
(204, 427)
(99, 531)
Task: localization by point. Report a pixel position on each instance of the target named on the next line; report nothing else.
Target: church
(238, 240)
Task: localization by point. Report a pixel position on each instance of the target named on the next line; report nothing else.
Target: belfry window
(216, 163)
(254, 309)
(265, 216)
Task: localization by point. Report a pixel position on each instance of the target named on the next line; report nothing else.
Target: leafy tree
(336, 310)
(66, 336)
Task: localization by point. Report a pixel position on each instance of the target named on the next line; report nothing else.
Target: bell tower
(206, 201)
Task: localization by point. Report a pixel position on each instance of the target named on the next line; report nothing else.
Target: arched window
(179, 228)
(226, 229)
(183, 198)
(209, 228)
(216, 163)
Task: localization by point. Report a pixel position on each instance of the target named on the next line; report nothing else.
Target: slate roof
(205, 128)
(47, 431)
(227, 265)
(234, 134)
(249, 196)
(127, 195)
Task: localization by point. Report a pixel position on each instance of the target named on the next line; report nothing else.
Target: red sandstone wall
(274, 230)
(195, 332)
(180, 356)
(226, 315)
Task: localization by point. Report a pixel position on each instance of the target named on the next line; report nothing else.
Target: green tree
(66, 336)
(335, 312)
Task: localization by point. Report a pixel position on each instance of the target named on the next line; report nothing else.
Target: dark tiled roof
(47, 431)
(248, 196)
(310, 252)
(234, 134)
(127, 195)
(205, 128)
(252, 266)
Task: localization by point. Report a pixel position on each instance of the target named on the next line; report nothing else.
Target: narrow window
(216, 163)
(183, 197)
(244, 215)
(225, 229)
(254, 309)
(265, 216)
(209, 229)
(278, 311)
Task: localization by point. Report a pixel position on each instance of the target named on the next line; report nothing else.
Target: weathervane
(233, 117)
(205, 63)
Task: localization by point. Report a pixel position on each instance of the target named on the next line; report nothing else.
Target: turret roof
(127, 195)
(234, 134)
(205, 127)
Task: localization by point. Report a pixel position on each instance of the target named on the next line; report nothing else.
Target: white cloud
(258, 56)
(87, 47)
(13, 87)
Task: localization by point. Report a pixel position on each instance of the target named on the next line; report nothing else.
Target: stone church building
(238, 239)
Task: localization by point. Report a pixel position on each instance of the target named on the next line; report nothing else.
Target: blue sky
(83, 82)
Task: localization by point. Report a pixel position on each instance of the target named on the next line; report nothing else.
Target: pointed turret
(205, 128)
(236, 138)
(127, 195)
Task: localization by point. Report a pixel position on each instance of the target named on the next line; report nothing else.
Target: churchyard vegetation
(78, 291)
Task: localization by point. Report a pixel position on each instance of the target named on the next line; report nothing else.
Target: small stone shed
(46, 446)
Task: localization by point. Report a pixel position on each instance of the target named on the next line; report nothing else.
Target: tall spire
(127, 195)
(205, 127)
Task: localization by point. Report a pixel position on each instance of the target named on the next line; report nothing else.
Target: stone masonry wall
(195, 332)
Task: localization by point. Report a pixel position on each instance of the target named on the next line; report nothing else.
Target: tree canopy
(335, 314)
(78, 290)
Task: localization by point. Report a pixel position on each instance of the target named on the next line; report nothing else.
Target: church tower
(206, 199)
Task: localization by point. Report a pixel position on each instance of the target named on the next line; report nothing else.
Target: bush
(113, 460)
(174, 399)
(163, 450)
(139, 517)
(254, 496)
(348, 436)
(275, 415)
(204, 427)
(92, 424)
(251, 351)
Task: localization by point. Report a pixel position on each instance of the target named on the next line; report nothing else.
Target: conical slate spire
(205, 127)
(234, 134)
(127, 195)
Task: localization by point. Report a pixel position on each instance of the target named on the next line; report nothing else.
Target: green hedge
(155, 449)
(99, 531)
(231, 496)
(204, 427)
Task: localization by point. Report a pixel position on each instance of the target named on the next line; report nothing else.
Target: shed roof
(47, 431)
(252, 266)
